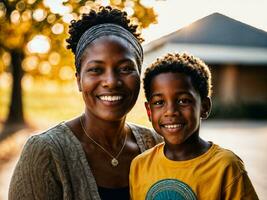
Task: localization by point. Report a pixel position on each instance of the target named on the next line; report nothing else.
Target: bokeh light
(15, 17)
(39, 44)
(66, 73)
(26, 15)
(54, 58)
(30, 63)
(44, 67)
(57, 28)
(39, 15)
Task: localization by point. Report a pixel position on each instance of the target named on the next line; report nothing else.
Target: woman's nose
(111, 80)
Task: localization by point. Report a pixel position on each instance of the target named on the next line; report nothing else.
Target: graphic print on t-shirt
(171, 189)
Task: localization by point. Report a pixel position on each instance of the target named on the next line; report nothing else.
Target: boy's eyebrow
(177, 93)
(156, 95)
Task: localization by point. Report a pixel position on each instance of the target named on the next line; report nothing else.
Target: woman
(89, 157)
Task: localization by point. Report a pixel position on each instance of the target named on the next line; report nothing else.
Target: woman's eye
(126, 69)
(94, 70)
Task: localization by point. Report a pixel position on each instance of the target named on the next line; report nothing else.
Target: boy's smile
(174, 107)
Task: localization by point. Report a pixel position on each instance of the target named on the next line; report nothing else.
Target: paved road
(247, 139)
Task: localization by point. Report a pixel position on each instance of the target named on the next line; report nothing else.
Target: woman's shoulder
(47, 140)
(147, 135)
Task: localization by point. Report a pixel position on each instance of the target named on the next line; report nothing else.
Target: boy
(178, 90)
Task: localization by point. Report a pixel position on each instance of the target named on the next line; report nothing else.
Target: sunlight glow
(57, 7)
(39, 44)
(173, 14)
(66, 73)
(15, 17)
(54, 58)
(44, 67)
(51, 18)
(30, 63)
(68, 17)
(27, 82)
(105, 2)
(57, 28)
(129, 10)
(6, 58)
(39, 15)
(26, 15)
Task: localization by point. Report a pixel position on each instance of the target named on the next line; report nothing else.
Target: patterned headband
(101, 30)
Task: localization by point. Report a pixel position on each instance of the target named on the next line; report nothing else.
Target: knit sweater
(53, 165)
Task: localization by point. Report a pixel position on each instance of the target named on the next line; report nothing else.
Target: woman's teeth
(110, 98)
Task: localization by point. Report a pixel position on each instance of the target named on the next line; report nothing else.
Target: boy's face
(175, 107)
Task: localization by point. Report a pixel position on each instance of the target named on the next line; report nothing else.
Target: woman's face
(109, 78)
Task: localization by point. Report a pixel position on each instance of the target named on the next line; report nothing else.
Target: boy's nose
(171, 110)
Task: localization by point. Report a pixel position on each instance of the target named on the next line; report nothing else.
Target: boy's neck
(188, 150)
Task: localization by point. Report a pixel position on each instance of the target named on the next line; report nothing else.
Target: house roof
(219, 31)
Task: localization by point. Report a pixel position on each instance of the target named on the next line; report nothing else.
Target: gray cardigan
(53, 165)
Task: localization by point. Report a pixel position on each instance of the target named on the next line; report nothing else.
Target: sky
(175, 14)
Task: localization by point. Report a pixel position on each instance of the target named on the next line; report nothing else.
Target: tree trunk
(15, 119)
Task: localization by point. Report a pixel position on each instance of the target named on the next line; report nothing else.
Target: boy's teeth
(173, 126)
(110, 98)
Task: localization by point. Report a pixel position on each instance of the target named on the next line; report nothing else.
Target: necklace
(114, 161)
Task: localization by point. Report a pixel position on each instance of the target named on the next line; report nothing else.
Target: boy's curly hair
(103, 15)
(195, 68)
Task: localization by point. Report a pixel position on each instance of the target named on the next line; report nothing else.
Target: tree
(25, 23)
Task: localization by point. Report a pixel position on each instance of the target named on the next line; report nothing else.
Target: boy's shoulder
(227, 158)
(148, 154)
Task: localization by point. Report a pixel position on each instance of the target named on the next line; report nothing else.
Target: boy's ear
(148, 110)
(78, 79)
(205, 107)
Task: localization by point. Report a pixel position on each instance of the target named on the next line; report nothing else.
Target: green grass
(44, 107)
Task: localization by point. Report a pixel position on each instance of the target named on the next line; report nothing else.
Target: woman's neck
(107, 133)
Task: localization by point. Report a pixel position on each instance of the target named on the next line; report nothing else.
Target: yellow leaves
(145, 15)
(66, 73)
(50, 18)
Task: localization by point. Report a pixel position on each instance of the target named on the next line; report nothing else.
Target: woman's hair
(103, 15)
(193, 67)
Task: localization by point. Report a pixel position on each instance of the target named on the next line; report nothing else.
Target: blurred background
(37, 74)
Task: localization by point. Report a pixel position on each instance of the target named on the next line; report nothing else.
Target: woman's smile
(109, 78)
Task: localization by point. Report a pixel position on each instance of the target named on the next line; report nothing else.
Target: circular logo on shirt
(171, 189)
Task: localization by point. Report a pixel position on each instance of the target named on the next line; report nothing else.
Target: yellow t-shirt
(216, 174)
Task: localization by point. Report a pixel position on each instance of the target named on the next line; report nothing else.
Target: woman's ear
(78, 79)
(205, 107)
(148, 110)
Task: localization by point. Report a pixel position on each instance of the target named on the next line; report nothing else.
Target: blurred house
(237, 56)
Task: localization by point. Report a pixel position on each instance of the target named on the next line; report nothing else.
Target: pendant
(114, 162)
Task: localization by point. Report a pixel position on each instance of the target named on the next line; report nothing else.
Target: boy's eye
(158, 102)
(184, 101)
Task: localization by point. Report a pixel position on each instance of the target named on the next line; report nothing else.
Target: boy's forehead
(171, 78)
(176, 82)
